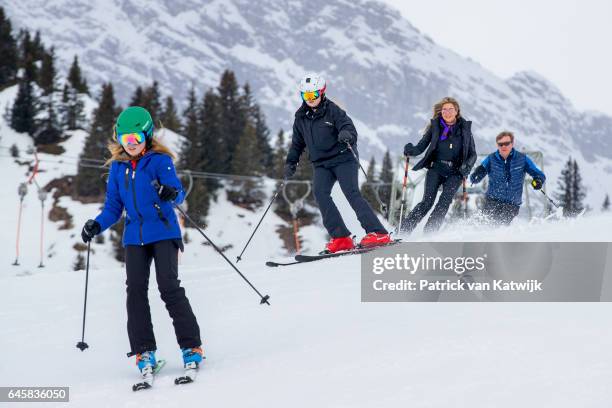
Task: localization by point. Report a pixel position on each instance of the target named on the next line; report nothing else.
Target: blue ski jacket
(506, 177)
(147, 218)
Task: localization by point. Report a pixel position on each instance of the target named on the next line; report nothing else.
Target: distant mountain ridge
(384, 71)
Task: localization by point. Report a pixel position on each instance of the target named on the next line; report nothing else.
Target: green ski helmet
(135, 119)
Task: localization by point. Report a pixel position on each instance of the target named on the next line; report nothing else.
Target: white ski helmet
(312, 82)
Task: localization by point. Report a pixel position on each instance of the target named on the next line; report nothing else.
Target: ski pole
(403, 202)
(239, 257)
(465, 199)
(357, 160)
(81, 345)
(264, 299)
(533, 184)
(22, 191)
(549, 199)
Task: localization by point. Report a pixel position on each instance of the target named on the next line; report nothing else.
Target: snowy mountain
(385, 72)
(316, 345)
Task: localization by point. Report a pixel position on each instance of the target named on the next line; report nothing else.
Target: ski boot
(148, 366)
(338, 244)
(192, 357)
(375, 239)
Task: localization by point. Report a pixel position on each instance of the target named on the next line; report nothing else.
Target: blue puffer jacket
(148, 218)
(506, 177)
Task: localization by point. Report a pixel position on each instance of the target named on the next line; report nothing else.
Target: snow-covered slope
(316, 345)
(383, 70)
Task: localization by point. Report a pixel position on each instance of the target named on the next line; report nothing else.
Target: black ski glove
(409, 150)
(537, 184)
(90, 230)
(465, 170)
(167, 193)
(346, 137)
(478, 174)
(290, 169)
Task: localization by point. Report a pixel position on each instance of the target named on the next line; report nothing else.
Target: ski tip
(141, 386)
(183, 380)
(271, 264)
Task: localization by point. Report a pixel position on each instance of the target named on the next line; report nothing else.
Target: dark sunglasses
(504, 144)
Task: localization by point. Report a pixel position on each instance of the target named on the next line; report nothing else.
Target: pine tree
(169, 116)
(138, 97)
(571, 193)
(247, 162)
(564, 184)
(189, 158)
(48, 128)
(280, 155)
(76, 79)
(257, 118)
(38, 48)
(232, 116)
(152, 101)
(198, 201)
(386, 177)
(367, 189)
(25, 108)
(606, 204)
(578, 189)
(48, 75)
(8, 52)
(27, 54)
(88, 182)
(214, 153)
(72, 109)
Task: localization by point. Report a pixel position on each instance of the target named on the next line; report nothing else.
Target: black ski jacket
(318, 131)
(430, 141)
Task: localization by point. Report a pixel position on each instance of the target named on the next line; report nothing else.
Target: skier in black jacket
(449, 158)
(327, 131)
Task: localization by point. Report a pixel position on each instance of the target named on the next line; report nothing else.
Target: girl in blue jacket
(138, 162)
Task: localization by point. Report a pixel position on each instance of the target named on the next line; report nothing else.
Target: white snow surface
(316, 345)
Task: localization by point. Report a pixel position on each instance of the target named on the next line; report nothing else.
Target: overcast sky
(567, 41)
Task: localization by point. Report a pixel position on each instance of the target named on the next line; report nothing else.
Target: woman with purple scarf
(449, 158)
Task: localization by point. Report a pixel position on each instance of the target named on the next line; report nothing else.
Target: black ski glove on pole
(167, 193)
(90, 230)
(290, 169)
(536, 183)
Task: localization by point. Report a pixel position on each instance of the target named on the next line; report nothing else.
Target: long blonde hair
(118, 153)
(437, 108)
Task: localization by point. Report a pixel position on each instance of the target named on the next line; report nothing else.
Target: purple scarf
(447, 129)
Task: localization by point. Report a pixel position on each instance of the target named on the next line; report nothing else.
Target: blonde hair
(118, 153)
(437, 108)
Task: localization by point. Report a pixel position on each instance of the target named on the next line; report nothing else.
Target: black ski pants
(500, 212)
(433, 180)
(138, 260)
(346, 173)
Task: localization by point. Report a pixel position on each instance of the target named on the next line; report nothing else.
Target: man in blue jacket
(506, 169)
